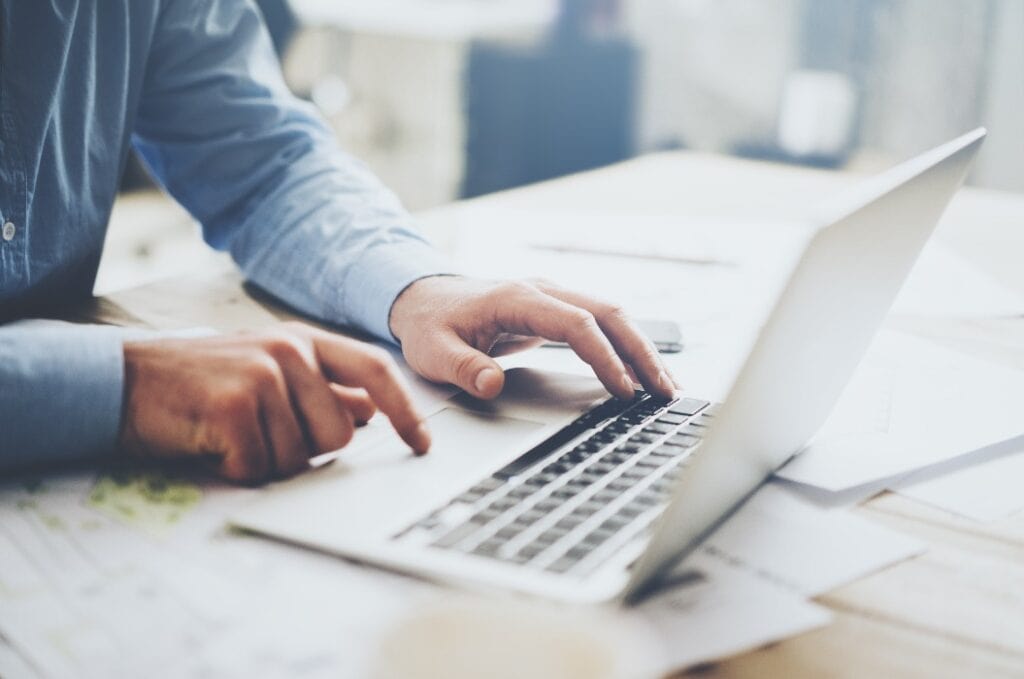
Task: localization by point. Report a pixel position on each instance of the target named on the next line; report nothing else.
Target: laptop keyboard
(566, 509)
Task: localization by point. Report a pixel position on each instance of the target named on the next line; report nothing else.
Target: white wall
(1002, 165)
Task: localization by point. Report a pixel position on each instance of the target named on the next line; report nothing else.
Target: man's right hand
(261, 405)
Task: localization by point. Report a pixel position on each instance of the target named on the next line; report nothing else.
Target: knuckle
(516, 288)
(344, 436)
(583, 319)
(614, 313)
(540, 282)
(236, 403)
(378, 362)
(284, 347)
(262, 372)
(462, 365)
(243, 467)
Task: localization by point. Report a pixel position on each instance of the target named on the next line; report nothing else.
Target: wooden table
(957, 610)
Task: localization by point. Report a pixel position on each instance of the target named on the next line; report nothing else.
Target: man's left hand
(450, 327)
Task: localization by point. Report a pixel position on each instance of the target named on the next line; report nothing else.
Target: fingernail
(483, 377)
(627, 383)
(423, 437)
(665, 382)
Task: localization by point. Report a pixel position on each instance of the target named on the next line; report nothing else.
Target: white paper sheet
(145, 578)
(783, 538)
(987, 490)
(726, 612)
(130, 573)
(937, 404)
(943, 283)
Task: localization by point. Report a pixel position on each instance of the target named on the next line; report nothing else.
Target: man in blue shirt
(195, 87)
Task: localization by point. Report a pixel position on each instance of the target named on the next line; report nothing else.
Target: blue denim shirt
(195, 87)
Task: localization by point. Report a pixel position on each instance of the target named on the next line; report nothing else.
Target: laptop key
(578, 552)
(507, 533)
(588, 508)
(659, 428)
(650, 461)
(620, 484)
(690, 430)
(562, 565)
(457, 534)
(683, 440)
(669, 449)
(548, 504)
(489, 547)
(521, 491)
(687, 406)
(636, 473)
(672, 418)
(569, 522)
(551, 536)
(531, 550)
(531, 515)
(616, 458)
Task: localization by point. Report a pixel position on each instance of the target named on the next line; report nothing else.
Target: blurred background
(456, 98)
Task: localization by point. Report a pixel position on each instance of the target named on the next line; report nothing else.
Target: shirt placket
(13, 194)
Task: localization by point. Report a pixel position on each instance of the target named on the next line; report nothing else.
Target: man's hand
(450, 327)
(260, 405)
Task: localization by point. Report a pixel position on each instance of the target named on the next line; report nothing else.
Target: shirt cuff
(64, 393)
(380, 275)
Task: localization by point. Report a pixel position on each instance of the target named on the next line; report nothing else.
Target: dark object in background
(281, 23)
(543, 111)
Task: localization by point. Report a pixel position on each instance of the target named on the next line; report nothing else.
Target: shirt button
(9, 230)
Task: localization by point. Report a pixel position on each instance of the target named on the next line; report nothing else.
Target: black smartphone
(666, 335)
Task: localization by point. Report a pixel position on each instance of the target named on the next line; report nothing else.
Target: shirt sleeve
(59, 374)
(263, 174)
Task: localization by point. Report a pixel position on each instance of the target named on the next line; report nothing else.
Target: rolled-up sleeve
(264, 176)
(62, 390)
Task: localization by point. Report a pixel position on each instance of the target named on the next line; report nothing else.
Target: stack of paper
(912, 404)
(126, 571)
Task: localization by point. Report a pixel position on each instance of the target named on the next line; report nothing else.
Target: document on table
(128, 571)
(943, 283)
(719, 609)
(918, 404)
(986, 490)
(89, 563)
(781, 537)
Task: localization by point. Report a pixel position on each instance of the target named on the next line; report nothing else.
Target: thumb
(470, 369)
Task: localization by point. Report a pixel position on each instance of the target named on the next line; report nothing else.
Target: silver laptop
(556, 490)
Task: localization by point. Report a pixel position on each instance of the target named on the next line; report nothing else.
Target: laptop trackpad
(376, 484)
(465, 433)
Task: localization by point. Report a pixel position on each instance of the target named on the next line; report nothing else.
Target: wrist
(411, 300)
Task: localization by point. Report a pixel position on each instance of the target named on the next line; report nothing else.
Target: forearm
(263, 174)
(61, 390)
(334, 243)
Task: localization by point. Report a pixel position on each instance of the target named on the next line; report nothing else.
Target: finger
(246, 457)
(328, 424)
(357, 364)
(511, 344)
(289, 449)
(627, 339)
(355, 401)
(545, 316)
(453, 360)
